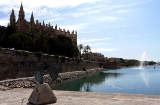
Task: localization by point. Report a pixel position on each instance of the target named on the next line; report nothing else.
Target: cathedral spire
(73, 32)
(12, 10)
(43, 23)
(56, 27)
(32, 19)
(21, 8)
(12, 19)
(21, 13)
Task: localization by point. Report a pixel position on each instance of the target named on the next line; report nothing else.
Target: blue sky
(116, 28)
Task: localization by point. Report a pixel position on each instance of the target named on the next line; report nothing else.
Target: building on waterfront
(114, 63)
(93, 56)
(22, 25)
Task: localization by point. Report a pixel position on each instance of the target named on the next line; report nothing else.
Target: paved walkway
(20, 96)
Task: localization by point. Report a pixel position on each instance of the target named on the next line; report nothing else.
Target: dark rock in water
(42, 94)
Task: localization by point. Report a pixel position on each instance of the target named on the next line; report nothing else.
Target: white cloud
(4, 22)
(89, 10)
(92, 40)
(78, 14)
(112, 7)
(76, 27)
(142, 2)
(88, 32)
(93, 45)
(47, 3)
(127, 5)
(107, 19)
(103, 49)
(123, 11)
(94, 7)
(96, 44)
(46, 9)
(5, 9)
(54, 20)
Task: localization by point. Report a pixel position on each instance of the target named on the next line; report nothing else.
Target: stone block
(42, 94)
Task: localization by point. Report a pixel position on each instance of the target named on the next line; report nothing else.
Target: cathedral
(21, 25)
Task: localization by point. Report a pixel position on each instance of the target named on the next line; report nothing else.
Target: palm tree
(80, 47)
(87, 49)
(84, 50)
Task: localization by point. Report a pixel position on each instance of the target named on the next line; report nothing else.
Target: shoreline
(30, 82)
(19, 96)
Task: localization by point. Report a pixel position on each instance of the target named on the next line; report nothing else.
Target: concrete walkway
(20, 96)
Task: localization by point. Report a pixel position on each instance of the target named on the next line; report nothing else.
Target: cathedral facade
(21, 25)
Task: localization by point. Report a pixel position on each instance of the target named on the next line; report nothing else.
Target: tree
(62, 46)
(80, 47)
(20, 41)
(87, 49)
(37, 42)
(4, 35)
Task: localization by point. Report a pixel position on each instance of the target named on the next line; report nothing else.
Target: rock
(3, 88)
(42, 94)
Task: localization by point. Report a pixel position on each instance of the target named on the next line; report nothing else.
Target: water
(127, 80)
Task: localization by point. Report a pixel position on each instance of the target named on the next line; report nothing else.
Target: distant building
(111, 60)
(93, 56)
(21, 25)
(114, 63)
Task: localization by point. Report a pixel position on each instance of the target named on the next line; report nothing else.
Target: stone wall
(30, 81)
(18, 63)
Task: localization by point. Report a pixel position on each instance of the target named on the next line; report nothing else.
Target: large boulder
(42, 94)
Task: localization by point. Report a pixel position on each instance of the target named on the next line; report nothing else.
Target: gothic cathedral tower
(21, 14)
(12, 19)
(27, 27)
(21, 20)
(32, 20)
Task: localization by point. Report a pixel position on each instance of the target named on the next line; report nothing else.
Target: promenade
(19, 96)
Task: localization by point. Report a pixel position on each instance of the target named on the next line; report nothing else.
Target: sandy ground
(20, 97)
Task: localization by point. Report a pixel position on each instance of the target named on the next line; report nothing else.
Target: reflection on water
(85, 83)
(128, 80)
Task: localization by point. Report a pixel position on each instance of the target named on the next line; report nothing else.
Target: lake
(126, 80)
